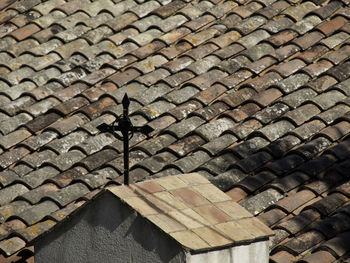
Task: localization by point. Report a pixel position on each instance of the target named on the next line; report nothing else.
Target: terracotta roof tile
(230, 89)
(319, 256)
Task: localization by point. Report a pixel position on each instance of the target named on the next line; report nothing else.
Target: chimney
(180, 218)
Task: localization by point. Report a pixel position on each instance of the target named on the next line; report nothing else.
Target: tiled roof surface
(193, 211)
(251, 94)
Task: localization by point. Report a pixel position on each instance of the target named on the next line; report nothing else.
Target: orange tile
(195, 216)
(170, 200)
(25, 31)
(190, 197)
(236, 194)
(212, 214)
(150, 187)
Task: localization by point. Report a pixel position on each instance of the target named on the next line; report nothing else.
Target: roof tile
(95, 160)
(10, 157)
(219, 164)
(328, 204)
(313, 147)
(68, 194)
(306, 24)
(12, 245)
(201, 51)
(329, 27)
(304, 241)
(254, 161)
(302, 114)
(261, 201)
(271, 217)
(37, 212)
(274, 9)
(338, 244)
(319, 256)
(282, 257)
(32, 232)
(35, 195)
(247, 10)
(287, 72)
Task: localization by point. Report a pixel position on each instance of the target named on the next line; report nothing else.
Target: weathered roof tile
(68, 194)
(227, 87)
(261, 201)
(12, 245)
(37, 212)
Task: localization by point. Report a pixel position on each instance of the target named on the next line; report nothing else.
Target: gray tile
(157, 162)
(35, 195)
(184, 127)
(63, 144)
(220, 143)
(214, 129)
(219, 164)
(68, 194)
(298, 97)
(269, 114)
(253, 38)
(225, 181)
(328, 99)
(156, 109)
(276, 130)
(11, 192)
(36, 159)
(67, 160)
(261, 201)
(37, 177)
(248, 147)
(37, 212)
(191, 162)
(154, 145)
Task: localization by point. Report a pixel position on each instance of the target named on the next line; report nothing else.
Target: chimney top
(193, 212)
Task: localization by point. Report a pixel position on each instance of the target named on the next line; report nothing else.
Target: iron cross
(127, 129)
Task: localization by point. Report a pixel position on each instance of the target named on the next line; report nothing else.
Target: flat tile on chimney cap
(192, 211)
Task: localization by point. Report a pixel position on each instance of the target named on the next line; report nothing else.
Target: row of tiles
(329, 104)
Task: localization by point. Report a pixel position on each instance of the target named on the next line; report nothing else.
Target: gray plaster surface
(107, 231)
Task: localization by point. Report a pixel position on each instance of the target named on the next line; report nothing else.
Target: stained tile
(302, 114)
(12, 245)
(283, 257)
(10, 157)
(261, 201)
(68, 194)
(329, 27)
(247, 10)
(272, 216)
(212, 214)
(319, 256)
(328, 204)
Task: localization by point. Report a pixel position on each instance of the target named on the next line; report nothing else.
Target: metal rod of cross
(127, 130)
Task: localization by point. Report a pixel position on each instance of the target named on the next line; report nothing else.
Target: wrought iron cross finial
(127, 129)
